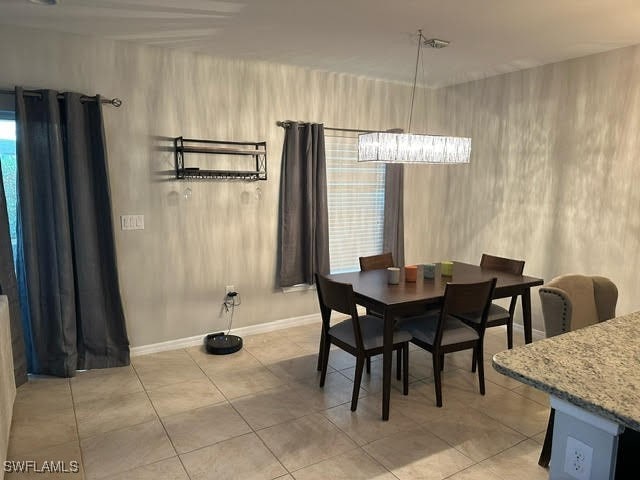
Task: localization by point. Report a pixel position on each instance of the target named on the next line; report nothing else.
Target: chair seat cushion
(497, 314)
(423, 328)
(372, 329)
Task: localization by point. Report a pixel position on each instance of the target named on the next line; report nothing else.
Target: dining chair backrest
(336, 296)
(502, 264)
(465, 299)
(376, 262)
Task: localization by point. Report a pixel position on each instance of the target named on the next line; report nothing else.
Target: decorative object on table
(441, 332)
(361, 336)
(446, 268)
(571, 302)
(410, 273)
(429, 270)
(401, 147)
(394, 275)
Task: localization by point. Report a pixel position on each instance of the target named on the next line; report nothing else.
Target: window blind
(355, 195)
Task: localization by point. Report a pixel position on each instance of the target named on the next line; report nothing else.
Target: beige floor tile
(472, 433)
(539, 437)
(365, 424)
(66, 458)
(276, 351)
(271, 407)
(463, 387)
(479, 471)
(104, 382)
(220, 364)
(533, 394)
(336, 391)
(420, 404)
(121, 450)
(169, 469)
(520, 461)
(515, 411)
(41, 428)
(339, 359)
(113, 413)
(304, 366)
(305, 441)
(417, 454)
(353, 465)
(493, 376)
(246, 381)
(40, 393)
(204, 426)
(231, 460)
(165, 368)
(372, 382)
(185, 396)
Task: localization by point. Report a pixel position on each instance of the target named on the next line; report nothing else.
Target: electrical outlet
(577, 459)
(229, 288)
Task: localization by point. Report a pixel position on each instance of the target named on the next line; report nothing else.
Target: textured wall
(174, 272)
(7, 384)
(553, 178)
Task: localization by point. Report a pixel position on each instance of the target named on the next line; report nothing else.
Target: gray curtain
(304, 221)
(393, 230)
(9, 287)
(72, 310)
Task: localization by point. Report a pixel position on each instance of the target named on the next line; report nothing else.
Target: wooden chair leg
(326, 347)
(474, 360)
(360, 361)
(545, 453)
(405, 366)
(368, 367)
(480, 364)
(320, 350)
(441, 361)
(399, 364)
(510, 334)
(436, 378)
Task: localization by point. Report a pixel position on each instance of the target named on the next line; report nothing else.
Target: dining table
(373, 291)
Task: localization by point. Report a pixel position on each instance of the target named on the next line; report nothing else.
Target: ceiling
(374, 38)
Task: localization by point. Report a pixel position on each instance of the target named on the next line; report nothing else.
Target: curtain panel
(393, 230)
(72, 310)
(9, 287)
(303, 218)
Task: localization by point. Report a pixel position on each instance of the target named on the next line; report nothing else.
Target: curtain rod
(287, 124)
(116, 102)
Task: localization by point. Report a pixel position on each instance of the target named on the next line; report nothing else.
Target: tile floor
(259, 414)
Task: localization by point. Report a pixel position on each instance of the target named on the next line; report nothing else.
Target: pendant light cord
(415, 80)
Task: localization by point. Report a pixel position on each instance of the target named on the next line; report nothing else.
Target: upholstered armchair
(570, 302)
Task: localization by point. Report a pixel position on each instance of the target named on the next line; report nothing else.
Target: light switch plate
(132, 222)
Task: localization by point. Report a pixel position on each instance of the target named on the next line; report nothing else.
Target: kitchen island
(593, 377)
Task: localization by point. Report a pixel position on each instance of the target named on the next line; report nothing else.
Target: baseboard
(242, 331)
(536, 334)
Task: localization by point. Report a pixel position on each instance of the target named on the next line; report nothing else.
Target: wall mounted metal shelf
(258, 150)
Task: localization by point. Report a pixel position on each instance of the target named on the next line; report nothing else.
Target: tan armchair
(573, 301)
(570, 302)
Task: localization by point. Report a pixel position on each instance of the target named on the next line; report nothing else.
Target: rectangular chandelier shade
(412, 148)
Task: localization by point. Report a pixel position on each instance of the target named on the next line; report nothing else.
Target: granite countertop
(596, 368)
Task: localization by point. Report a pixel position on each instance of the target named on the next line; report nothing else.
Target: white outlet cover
(577, 459)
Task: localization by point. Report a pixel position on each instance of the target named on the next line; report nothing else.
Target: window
(355, 195)
(9, 173)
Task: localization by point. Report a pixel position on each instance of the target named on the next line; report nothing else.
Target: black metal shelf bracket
(258, 150)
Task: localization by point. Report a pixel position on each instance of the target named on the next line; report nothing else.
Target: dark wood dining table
(373, 291)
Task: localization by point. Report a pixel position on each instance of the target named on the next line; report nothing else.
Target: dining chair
(376, 262)
(361, 336)
(497, 315)
(379, 262)
(570, 302)
(443, 332)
